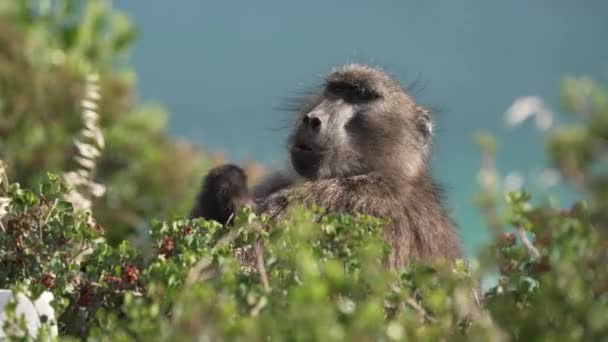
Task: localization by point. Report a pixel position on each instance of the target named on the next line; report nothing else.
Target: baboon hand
(223, 192)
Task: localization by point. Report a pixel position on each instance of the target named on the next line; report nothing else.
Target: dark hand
(224, 191)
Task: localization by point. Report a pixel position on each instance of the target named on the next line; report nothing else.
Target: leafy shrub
(317, 278)
(46, 52)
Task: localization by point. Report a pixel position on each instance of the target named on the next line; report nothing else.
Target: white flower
(97, 189)
(78, 200)
(2, 172)
(90, 145)
(513, 181)
(84, 162)
(488, 178)
(92, 92)
(90, 118)
(57, 57)
(44, 308)
(96, 135)
(549, 178)
(92, 78)
(527, 107)
(87, 150)
(33, 312)
(90, 105)
(4, 203)
(75, 179)
(84, 174)
(395, 331)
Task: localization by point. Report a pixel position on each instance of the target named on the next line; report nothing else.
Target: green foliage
(46, 50)
(325, 279)
(579, 149)
(315, 277)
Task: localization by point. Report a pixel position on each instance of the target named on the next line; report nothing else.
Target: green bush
(46, 51)
(315, 277)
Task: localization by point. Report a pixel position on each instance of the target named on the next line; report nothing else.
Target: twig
(476, 297)
(48, 215)
(230, 218)
(203, 270)
(46, 220)
(526, 242)
(81, 250)
(226, 239)
(258, 307)
(414, 304)
(259, 252)
(467, 309)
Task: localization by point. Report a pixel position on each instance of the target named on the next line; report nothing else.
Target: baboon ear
(424, 125)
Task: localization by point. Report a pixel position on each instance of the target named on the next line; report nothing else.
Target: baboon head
(360, 121)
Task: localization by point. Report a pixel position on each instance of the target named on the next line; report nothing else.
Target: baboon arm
(223, 192)
(271, 184)
(351, 195)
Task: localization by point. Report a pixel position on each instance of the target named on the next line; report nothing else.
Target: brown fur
(361, 145)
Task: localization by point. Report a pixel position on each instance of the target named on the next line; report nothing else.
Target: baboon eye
(425, 128)
(351, 92)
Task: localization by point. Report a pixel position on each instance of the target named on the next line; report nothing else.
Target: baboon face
(360, 121)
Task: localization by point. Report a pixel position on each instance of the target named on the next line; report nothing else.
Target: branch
(477, 301)
(259, 253)
(469, 310)
(48, 215)
(203, 270)
(526, 242)
(414, 304)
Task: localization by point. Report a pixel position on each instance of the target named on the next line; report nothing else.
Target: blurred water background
(224, 68)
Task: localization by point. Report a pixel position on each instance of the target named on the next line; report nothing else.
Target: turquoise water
(223, 68)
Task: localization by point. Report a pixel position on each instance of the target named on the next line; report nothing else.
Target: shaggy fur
(361, 145)
(224, 191)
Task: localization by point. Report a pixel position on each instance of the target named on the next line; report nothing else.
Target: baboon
(360, 145)
(224, 191)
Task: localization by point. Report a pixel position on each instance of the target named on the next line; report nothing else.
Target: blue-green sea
(225, 68)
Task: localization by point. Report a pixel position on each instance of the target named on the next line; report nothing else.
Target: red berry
(18, 243)
(577, 210)
(12, 224)
(85, 296)
(166, 247)
(507, 268)
(542, 266)
(544, 239)
(48, 280)
(112, 280)
(188, 230)
(99, 228)
(130, 274)
(602, 288)
(507, 239)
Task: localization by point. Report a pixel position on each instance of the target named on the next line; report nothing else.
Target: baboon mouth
(307, 149)
(306, 159)
(304, 148)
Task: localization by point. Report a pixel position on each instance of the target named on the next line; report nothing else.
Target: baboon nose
(312, 122)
